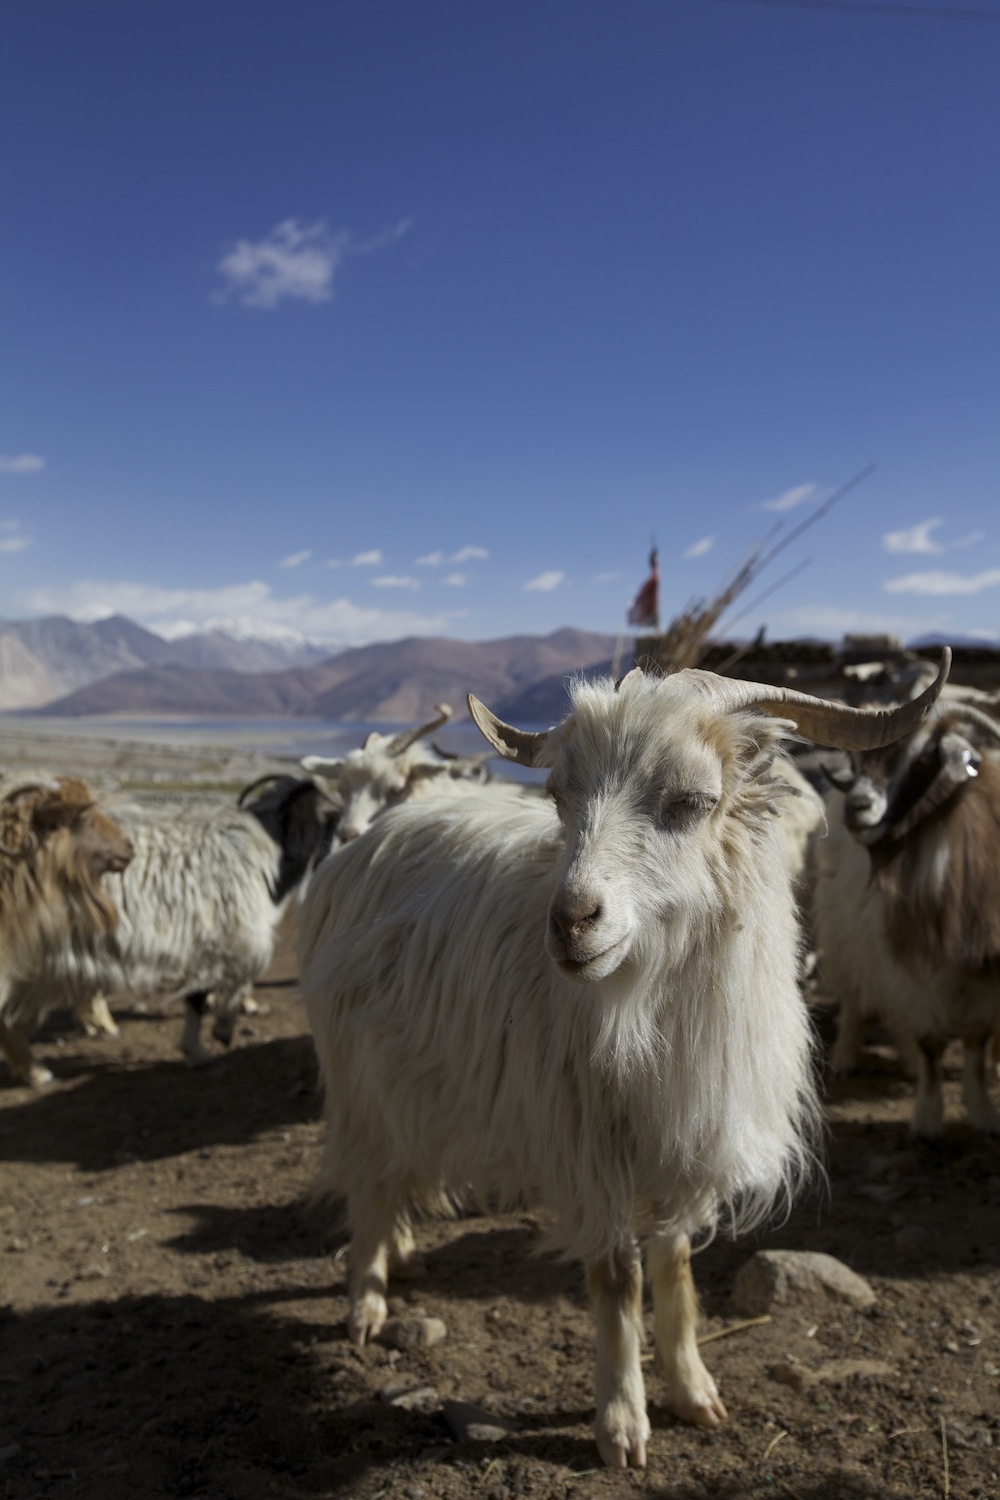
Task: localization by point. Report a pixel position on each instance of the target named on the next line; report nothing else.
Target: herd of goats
(591, 998)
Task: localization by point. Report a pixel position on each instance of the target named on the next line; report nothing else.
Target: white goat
(200, 902)
(389, 769)
(654, 1066)
(907, 905)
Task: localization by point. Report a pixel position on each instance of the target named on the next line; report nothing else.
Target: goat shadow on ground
(117, 1112)
(173, 1396)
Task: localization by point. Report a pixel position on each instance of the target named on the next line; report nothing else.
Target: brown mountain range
(394, 682)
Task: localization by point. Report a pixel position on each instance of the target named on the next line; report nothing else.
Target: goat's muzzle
(577, 940)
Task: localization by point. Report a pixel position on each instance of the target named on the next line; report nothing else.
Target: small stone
(95, 1270)
(414, 1333)
(782, 1278)
(833, 1372)
(414, 1491)
(470, 1424)
(416, 1398)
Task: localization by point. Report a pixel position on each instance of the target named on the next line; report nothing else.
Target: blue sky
(366, 320)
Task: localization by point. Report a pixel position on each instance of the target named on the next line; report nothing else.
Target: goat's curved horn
(820, 721)
(520, 745)
(972, 715)
(261, 781)
(13, 783)
(408, 737)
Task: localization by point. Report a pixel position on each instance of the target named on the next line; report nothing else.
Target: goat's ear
(959, 757)
(62, 807)
(426, 769)
(513, 744)
(319, 765)
(959, 763)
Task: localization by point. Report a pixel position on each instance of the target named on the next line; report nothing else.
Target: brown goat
(55, 844)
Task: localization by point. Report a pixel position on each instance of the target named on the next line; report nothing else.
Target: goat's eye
(841, 777)
(679, 809)
(556, 797)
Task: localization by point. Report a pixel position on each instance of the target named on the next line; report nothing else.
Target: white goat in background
(389, 769)
(592, 1001)
(198, 905)
(907, 904)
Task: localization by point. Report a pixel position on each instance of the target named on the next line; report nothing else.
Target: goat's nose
(571, 918)
(347, 835)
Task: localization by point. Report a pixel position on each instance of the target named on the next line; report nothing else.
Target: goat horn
(971, 715)
(408, 737)
(520, 745)
(261, 781)
(14, 783)
(817, 719)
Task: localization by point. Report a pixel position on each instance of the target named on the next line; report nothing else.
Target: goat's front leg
(381, 1245)
(928, 1108)
(14, 1046)
(621, 1424)
(845, 1054)
(983, 1113)
(692, 1394)
(228, 1006)
(94, 1015)
(195, 1006)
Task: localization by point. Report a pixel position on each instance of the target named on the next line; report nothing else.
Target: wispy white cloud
(296, 261)
(395, 581)
(606, 577)
(943, 583)
(914, 538)
(544, 583)
(20, 463)
(430, 560)
(469, 554)
(248, 607)
(295, 559)
(699, 548)
(789, 499)
(370, 559)
(456, 580)
(836, 620)
(969, 539)
(12, 539)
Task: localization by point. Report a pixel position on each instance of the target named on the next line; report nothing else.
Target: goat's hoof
(704, 1411)
(365, 1319)
(198, 1057)
(622, 1443)
(696, 1399)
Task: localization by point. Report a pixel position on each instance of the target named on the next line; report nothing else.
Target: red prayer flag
(645, 607)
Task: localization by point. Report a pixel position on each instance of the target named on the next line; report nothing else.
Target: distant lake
(291, 738)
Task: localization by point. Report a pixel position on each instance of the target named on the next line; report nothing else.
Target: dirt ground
(172, 1311)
